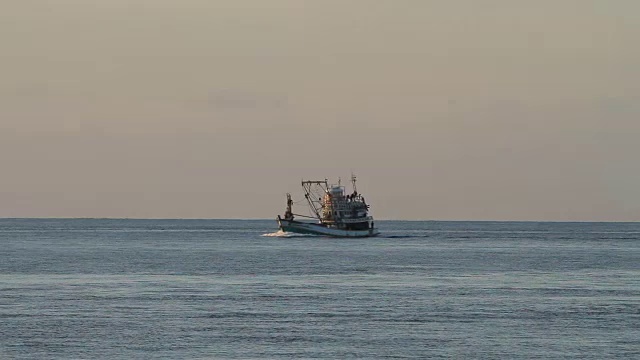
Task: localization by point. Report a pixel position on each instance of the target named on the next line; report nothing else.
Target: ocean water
(230, 289)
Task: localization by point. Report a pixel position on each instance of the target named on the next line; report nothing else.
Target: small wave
(405, 236)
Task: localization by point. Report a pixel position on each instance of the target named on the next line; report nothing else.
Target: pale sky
(446, 110)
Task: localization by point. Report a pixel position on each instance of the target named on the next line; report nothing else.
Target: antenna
(353, 182)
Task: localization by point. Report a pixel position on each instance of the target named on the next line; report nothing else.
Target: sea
(239, 289)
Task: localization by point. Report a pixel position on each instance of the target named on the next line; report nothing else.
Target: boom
(315, 189)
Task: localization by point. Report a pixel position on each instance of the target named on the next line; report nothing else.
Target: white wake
(284, 234)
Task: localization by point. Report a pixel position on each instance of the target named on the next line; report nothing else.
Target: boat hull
(301, 227)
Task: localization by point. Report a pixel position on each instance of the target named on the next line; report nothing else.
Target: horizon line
(268, 219)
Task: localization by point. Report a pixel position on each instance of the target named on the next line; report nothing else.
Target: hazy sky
(487, 110)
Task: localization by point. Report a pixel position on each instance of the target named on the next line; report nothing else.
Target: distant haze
(469, 110)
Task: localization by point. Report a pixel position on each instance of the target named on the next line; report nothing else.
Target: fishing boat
(337, 213)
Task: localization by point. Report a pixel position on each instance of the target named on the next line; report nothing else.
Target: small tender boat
(338, 214)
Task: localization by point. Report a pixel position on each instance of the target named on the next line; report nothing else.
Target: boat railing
(356, 220)
(347, 205)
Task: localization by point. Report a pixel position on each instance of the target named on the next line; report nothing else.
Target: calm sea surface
(177, 289)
